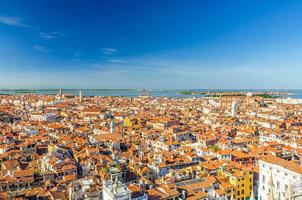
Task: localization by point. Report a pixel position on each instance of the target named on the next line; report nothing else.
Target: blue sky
(151, 44)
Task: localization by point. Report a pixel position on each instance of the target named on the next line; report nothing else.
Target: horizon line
(147, 89)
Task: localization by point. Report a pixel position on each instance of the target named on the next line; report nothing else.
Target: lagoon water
(136, 92)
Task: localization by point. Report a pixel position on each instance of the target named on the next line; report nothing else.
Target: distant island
(270, 95)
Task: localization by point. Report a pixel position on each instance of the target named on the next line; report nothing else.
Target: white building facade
(47, 117)
(278, 179)
(115, 190)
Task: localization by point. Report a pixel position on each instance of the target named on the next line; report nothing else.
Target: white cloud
(159, 71)
(162, 71)
(116, 61)
(51, 35)
(13, 21)
(109, 50)
(41, 49)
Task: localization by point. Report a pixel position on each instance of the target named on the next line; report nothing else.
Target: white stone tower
(112, 126)
(234, 109)
(80, 95)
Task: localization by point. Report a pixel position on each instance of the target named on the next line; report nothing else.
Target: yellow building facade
(242, 180)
